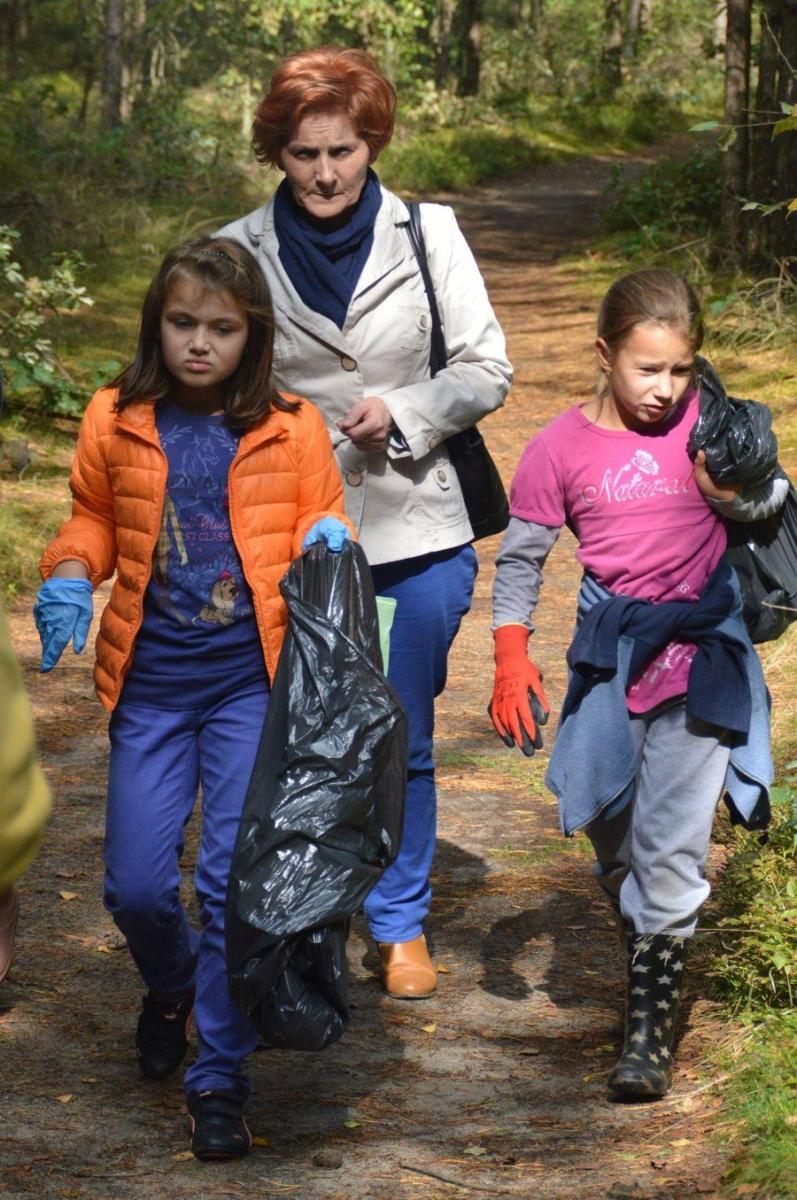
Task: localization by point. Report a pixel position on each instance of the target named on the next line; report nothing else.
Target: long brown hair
(650, 296)
(217, 264)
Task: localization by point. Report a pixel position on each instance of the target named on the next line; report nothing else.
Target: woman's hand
(368, 423)
(710, 489)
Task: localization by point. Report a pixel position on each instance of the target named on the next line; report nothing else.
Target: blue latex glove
(329, 530)
(63, 610)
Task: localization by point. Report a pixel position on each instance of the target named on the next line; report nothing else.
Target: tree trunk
(112, 64)
(737, 91)
(134, 52)
(763, 150)
(720, 25)
(612, 55)
(13, 31)
(443, 40)
(470, 59)
(637, 25)
(784, 232)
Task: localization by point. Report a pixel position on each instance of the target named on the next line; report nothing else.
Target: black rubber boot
(161, 1041)
(655, 974)
(219, 1130)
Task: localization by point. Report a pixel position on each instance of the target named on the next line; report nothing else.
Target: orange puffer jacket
(283, 479)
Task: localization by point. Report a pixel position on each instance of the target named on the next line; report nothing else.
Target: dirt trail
(495, 1087)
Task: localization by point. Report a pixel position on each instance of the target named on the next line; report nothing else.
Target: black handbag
(482, 489)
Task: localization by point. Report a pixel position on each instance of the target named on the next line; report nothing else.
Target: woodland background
(124, 127)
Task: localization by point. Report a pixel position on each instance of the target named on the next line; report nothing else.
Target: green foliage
(758, 895)
(672, 200)
(27, 358)
(27, 523)
(760, 1104)
(456, 159)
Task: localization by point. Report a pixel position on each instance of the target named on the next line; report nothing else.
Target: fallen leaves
(429, 1028)
(65, 1098)
(68, 895)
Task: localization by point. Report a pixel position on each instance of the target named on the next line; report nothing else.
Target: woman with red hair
(354, 335)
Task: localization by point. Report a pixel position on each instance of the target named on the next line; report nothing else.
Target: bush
(28, 361)
(454, 160)
(671, 200)
(758, 895)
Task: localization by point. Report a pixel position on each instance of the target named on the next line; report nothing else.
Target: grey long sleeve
(755, 503)
(518, 571)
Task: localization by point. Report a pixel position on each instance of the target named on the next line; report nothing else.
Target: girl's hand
(62, 612)
(519, 705)
(368, 423)
(710, 489)
(329, 530)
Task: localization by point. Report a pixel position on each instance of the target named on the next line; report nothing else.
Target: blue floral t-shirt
(199, 637)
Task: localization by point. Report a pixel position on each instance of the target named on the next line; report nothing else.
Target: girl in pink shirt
(659, 605)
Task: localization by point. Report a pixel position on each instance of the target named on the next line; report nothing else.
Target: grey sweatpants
(652, 855)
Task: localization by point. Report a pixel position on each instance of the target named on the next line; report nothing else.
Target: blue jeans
(433, 593)
(158, 759)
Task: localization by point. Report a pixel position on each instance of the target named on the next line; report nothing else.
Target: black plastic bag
(764, 556)
(324, 810)
(735, 435)
(741, 448)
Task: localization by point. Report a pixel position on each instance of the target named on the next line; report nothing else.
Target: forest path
(494, 1087)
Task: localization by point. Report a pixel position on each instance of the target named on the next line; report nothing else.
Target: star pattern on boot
(644, 1069)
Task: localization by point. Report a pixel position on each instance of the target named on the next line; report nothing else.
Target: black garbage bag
(736, 435)
(741, 448)
(764, 556)
(324, 810)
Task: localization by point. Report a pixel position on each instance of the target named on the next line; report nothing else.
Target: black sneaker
(161, 1041)
(218, 1128)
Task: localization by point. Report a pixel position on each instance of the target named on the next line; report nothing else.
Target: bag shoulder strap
(438, 358)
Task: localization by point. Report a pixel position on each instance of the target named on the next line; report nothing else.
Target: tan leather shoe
(407, 970)
(9, 911)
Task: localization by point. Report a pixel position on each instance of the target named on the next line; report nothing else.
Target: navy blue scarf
(325, 264)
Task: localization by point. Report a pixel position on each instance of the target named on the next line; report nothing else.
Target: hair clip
(216, 254)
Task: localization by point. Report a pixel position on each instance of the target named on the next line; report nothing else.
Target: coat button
(434, 439)
(354, 478)
(348, 363)
(441, 475)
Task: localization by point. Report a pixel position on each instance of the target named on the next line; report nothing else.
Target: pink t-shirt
(644, 527)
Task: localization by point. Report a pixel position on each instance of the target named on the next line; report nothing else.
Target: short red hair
(327, 79)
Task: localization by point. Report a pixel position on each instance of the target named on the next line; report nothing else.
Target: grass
(761, 1107)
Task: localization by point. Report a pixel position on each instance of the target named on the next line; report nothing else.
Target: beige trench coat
(406, 501)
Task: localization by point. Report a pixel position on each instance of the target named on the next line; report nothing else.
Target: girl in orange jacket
(197, 483)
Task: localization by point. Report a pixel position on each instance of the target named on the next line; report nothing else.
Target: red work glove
(518, 707)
